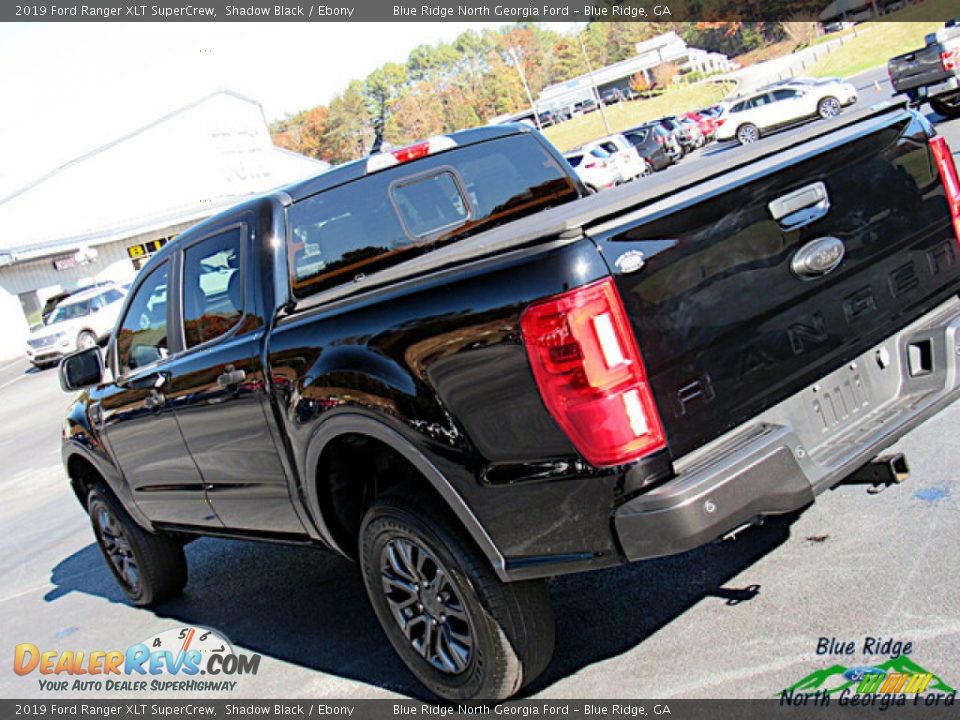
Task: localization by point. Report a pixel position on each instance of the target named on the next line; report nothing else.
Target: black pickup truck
(451, 364)
(931, 74)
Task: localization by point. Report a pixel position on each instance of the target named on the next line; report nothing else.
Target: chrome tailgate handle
(801, 207)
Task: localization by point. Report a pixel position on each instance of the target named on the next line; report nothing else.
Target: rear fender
(359, 424)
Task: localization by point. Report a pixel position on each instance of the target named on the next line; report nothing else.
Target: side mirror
(81, 369)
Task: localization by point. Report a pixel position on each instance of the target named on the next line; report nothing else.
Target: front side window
(784, 94)
(111, 296)
(212, 287)
(71, 311)
(142, 338)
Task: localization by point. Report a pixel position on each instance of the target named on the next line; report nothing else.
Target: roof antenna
(378, 139)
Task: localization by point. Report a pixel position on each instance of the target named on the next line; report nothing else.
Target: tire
(828, 107)
(748, 133)
(948, 108)
(149, 568)
(86, 340)
(479, 638)
(647, 168)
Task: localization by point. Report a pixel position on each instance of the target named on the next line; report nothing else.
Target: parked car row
(642, 150)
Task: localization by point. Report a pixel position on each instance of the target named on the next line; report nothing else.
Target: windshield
(70, 312)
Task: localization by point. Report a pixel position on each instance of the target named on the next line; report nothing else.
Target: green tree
(349, 128)
(381, 90)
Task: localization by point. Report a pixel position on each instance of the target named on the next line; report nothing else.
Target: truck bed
(647, 197)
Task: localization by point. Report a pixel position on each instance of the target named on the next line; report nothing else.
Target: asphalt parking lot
(734, 619)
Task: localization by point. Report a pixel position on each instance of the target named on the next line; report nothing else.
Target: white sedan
(776, 108)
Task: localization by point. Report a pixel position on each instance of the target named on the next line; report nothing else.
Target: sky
(67, 88)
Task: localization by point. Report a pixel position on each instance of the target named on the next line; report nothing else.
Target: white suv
(780, 107)
(625, 157)
(78, 322)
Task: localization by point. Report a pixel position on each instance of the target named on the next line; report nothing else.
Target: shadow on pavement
(308, 607)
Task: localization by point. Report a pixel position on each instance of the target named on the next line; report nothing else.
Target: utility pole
(593, 84)
(523, 78)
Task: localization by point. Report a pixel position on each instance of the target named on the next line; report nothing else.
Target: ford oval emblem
(630, 261)
(818, 257)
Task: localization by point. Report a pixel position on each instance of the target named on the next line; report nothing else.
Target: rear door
(217, 382)
(764, 112)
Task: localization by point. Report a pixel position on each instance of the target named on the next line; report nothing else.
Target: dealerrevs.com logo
(188, 659)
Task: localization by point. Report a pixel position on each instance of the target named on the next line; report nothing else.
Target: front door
(138, 417)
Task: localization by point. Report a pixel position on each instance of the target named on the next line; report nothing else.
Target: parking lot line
(11, 382)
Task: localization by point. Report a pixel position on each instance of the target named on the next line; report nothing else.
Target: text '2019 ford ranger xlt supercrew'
(450, 363)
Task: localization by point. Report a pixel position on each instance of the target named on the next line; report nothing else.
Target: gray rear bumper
(781, 459)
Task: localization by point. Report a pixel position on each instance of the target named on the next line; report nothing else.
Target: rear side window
(574, 160)
(366, 225)
(738, 107)
(212, 287)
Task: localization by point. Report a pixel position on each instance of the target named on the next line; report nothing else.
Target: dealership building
(101, 215)
(668, 48)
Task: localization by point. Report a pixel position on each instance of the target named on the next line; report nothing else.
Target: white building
(99, 216)
(666, 48)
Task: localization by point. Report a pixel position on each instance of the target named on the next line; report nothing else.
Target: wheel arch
(85, 471)
(348, 427)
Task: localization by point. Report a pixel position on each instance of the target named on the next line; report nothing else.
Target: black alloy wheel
(426, 605)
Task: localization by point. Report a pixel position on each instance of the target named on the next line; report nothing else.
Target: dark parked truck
(931, 74)
(450, 364)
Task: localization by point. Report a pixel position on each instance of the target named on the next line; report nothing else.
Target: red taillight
(661, 139)
(590, 374)
(948, 174)
(948, 59)
(596, 164)
(721, 121)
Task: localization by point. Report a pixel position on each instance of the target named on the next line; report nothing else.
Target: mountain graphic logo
(838, 678)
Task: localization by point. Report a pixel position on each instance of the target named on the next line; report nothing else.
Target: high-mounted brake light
(948, 174)
(948, 60)
(590, 374)
(383, 160)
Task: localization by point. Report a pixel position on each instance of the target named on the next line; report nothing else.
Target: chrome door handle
(801, 207)
(231, 377)
(154, 400)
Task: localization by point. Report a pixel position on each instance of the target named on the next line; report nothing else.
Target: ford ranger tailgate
(752, 285)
